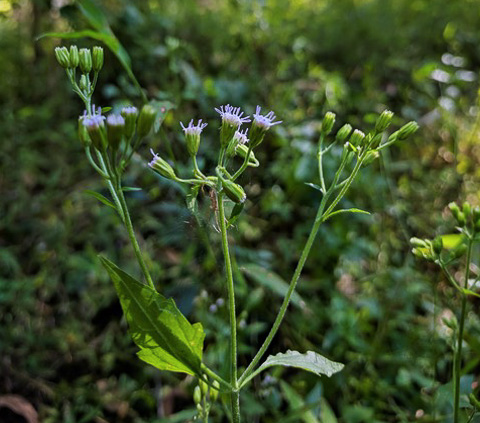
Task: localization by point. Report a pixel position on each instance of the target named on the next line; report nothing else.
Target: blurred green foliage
(363, 300)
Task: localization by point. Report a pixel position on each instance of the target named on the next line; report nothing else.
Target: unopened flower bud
(437, 245)
(83, 133)
(467, 209)
(476, 213)
(192, 136)
(357, 138)
(234, 191)
(454, 209)
(63, 58)
(370, 157)
(197, 395)
(407, 130)
(417, 242)
(115, 129)
(200, 408)
(203, 386)
(146, 120)
(461, 219)
(214, 391)
(343, 133)
(130, 114)
(85, 60)
(383, 121)
(327, 123)
(83, 84)
(97, 58)
(162, 167)
(74, 57)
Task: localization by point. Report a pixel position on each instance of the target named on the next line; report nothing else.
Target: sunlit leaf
(344, 211)
(166, 339)
(451, 241)
(100, 198)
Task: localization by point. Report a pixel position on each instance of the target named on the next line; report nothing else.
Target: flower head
(161, 166)
(129, 110)
(192, 129)
(192, 135)
(264, 121)
(241, 137)
(232, 116)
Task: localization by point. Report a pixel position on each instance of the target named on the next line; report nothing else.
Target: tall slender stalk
(235, 406)
(459, 344)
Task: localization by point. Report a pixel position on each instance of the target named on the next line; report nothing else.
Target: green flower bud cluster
(84, 58)
(468, 218)
(203, 394)
(427, 249)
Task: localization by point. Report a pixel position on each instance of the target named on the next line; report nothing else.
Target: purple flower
(241, 137)
(115, 120)
(265, 121)
(129, 110)
(93, 122)
(232, 115)
(192, 129)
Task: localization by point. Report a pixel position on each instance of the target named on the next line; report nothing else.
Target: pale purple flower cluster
(232, 116)
(241, 137)
(155, 157)
(129, 110)
(192, 129)
(265, 121)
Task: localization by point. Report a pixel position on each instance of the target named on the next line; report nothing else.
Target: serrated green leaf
(271, 281)
(344, 211)
(166, 339)
(100, 198)
(310, 361)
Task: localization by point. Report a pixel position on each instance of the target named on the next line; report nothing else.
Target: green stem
(231, 305)
(214, 376)
(320, 163)
(244, 164)
(131, 235)
(458, 351)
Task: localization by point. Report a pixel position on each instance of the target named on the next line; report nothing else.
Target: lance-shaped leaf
(310, 361)
(166, 339)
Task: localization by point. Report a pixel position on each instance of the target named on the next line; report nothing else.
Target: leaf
(314, 186)
(344, 211)
(299, 410)
(310, 361)
(100, 198)
(162, 108)
(236, 211)
(129, 189)
(191, 199)
(94, 15)
(272, 281)
(166, 339)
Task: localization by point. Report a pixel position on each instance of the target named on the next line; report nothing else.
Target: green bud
(162, 167)
(197, 395)
(370, 157)
(461, 219)
(214, 391)
(327, 123)
(420, 253)
(376, 141)
(83, 134)
(234, 191)
(417, 242)
(83, 84)
(476, 213)
(383, 121)
(200, 408)
(454, 209)
(115, 130)
(130, 115)
(85, 60)
(437, 245)
(74, 57)
(97, 58)
(63, 58)
(203, 386)
(477, 226)
(357, 138)
(257, 133)
(343, 133)
(242, 150)
(95, 128)
(407, 130)
(193, 143)
(467, 209)
(146, 120)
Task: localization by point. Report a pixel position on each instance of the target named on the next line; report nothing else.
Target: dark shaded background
(64, 347)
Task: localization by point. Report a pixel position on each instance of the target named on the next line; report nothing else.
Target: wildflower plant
(459, 252)
(166, 339)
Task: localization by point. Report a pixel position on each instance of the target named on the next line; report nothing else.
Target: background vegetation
(364, 300)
